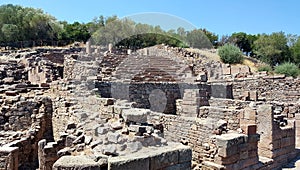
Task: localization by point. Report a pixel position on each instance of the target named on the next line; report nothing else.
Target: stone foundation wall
(165, 94)
(195, 132)
(235, 151)
(269, 88)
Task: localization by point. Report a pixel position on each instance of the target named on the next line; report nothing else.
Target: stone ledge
(75, 162)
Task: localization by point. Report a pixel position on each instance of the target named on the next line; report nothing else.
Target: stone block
(226, 152)
(164, 159)
(110, 149)
(113, 137)
(135, 115)
(265, 121)
(134, 146)
(185, 154)
(249, 114)
(101, 130)
(212, 166)
(230, 160)
(190, 111)
(228, 140)
(182, 166)
(132, 163)
(235, 70)
(253, 95)
(226, 69)
(75, 162)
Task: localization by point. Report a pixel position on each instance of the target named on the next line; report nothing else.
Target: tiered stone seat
(150, 68)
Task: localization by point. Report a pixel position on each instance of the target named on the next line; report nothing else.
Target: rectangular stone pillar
(88, 47)
(265, 118)
(191, 102)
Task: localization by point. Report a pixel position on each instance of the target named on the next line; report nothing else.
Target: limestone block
(135, 115)
(235, 70)
(134, 146)
(225, 152)
(164, 159)
(226, 69)
(182, 166)
(253, 95)
(101, 130)
(185, 154)
(265, 120)
(230, 139)
(116, 125)
(113, 137)
(249, 114)
(132, 163)
(75, 162)
(191, 110)
(110, 149)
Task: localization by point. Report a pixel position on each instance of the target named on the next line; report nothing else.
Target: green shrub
(288, 69)
(230, 54)
(266, 68)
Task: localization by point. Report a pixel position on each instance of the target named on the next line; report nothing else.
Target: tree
(224, 40)
(26, 24)
(272, 49)
(213, 38)
(295, 52)
(230, 54)
(197, 39)
(240, 39)
(10, 32)
(252, 39)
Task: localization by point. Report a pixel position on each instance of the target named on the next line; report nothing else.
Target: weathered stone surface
(101, 130)
(135, 115)
(133, 164)
(113, 137)
(76, 162)
(110, 149)
(134, 146)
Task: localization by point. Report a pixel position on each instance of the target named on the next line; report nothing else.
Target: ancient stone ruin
(155, 108)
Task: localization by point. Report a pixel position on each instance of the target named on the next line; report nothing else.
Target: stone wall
(272, 88)
(234, 151)
(11, 71)
(166, 93)
(27, 150)
(79, 67)
(195, 132)
(277, 141)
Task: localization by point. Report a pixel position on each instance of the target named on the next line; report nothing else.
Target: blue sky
(219, 16)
